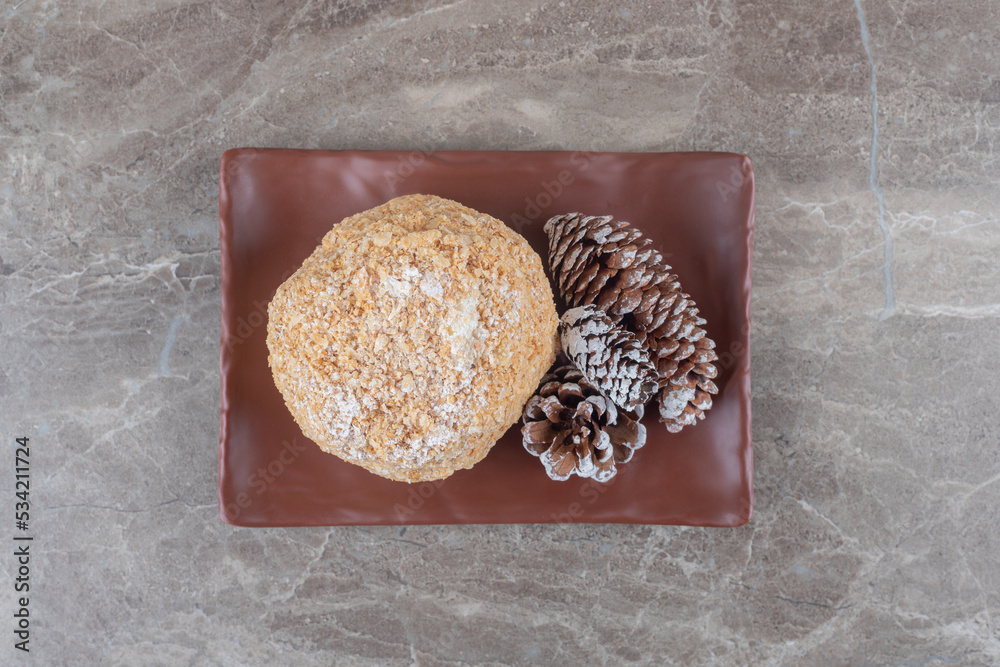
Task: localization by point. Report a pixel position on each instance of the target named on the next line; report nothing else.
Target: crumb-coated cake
(410, 339)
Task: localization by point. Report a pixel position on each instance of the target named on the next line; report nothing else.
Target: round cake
(410, 339)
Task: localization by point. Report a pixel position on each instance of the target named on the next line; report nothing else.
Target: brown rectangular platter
(275, 205)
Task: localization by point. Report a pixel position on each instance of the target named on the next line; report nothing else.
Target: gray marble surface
(875, 313)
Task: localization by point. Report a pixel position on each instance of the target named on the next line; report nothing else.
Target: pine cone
(575, 430)
(609, 263)
(609, 355)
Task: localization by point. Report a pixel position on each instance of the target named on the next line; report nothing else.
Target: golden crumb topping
(409, 340)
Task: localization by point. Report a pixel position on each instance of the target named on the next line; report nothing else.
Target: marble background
(872, 127)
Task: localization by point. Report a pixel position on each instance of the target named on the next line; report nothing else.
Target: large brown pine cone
(610, 264)
(575, 430)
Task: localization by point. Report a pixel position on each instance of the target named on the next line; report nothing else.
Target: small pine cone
(610, 356)
(609, 263)
(688, 392)
(575, 430)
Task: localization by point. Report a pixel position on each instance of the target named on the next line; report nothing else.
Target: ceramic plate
(275, 205)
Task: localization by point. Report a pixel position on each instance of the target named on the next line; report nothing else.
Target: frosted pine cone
(575, 430)
(599, 261)
(609, 355)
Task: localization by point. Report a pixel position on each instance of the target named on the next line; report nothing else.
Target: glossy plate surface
(275, 205)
